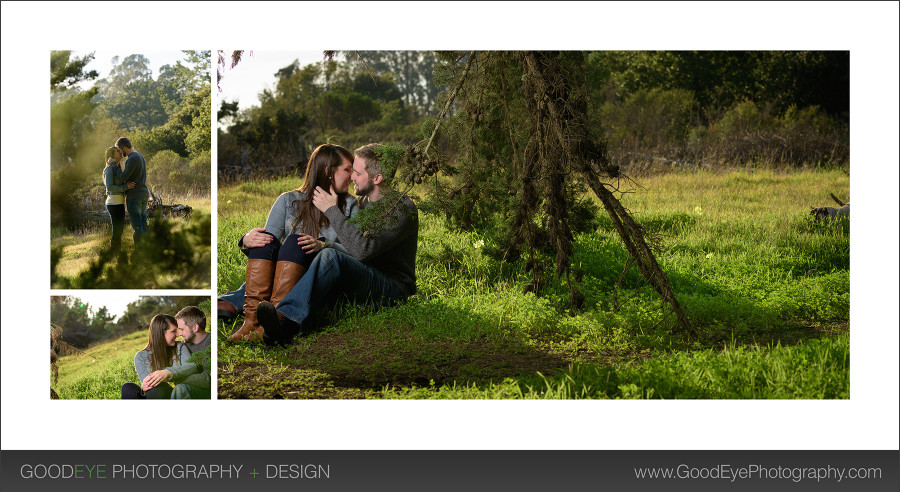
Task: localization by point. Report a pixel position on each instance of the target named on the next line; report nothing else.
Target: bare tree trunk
(555, 97)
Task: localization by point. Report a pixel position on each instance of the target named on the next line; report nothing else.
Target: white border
(867, 421)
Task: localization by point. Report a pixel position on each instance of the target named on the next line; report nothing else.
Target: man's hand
(154, 378)
(131, 184)
(257, 238)
(323, 200)
(309, 243)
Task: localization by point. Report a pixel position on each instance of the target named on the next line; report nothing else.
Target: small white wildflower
(698, 210)
(479, 243)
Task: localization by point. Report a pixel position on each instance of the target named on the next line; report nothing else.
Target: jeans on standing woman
(117, 217)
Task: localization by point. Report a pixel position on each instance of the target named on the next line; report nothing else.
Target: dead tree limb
(573, 141)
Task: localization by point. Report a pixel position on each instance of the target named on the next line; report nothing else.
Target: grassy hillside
(767, 288)
(100, 372)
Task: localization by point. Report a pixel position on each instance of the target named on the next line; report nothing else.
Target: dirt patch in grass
(361, 363)
(787, 335)
(260, 381)
(369, 360)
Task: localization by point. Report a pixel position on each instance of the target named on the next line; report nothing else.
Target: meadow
(81, 248)
(99, 371)
(765, 286)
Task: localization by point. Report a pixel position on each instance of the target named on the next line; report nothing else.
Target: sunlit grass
(80, 247)
(814, 369)
(749, 266)
(100, 371)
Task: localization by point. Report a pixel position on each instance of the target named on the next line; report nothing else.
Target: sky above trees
(102, 61)
(257, 72)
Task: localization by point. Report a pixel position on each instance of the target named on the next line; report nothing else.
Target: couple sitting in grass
(319, 243)
(169, 369)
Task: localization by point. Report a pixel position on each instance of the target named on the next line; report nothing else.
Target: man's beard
(364, 190)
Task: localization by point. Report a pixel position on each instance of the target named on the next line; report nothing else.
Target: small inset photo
(106, 346)
(130, 165)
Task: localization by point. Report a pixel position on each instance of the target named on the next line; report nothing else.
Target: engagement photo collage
(599, 246)
(450, 224)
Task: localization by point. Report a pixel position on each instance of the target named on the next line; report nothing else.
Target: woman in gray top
(279, 253)
(161, 352)
(113, 179)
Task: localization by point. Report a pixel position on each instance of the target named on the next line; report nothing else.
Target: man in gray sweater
(379, 264)
(191, 379)
(136, 198)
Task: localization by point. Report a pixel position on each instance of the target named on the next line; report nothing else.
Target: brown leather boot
(258, 288)
(287, 274)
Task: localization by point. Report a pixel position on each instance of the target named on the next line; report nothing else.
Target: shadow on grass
(750, 312)
(377, 352)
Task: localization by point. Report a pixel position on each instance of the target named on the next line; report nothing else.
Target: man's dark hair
(192, 315)
(123, 142)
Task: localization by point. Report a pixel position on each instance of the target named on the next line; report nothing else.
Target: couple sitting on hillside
(310, 252)
(168, 369)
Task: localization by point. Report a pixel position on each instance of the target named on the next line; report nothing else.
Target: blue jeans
(334, 273)
(137, 214)
(188, 392)
(235, 298)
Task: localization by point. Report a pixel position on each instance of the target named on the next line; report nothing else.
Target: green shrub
(650, 118)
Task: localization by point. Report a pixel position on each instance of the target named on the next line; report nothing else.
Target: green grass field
(765, 286)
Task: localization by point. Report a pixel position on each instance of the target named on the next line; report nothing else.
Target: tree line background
(656, 110)
(83, 325)
(167, 120)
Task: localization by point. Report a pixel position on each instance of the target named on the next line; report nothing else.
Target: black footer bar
(398, 471)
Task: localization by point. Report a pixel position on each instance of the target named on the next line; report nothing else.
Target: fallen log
(155, 209)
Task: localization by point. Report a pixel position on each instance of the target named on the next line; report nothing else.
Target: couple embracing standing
(126, 189)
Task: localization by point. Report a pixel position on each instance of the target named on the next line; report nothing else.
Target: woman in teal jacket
(113, 179)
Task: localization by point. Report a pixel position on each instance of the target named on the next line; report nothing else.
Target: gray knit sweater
(281, 217)
(112, 179)
(136, 170)
(280, 222)
(391, 250)
(182, 371)
(190, 372)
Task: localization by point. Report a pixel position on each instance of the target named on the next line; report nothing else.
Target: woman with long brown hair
(113, 179)
(279, 253)
(161, 352)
